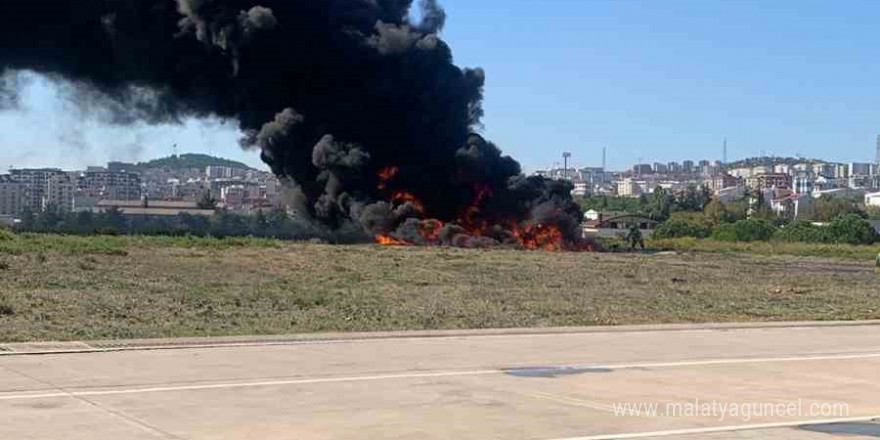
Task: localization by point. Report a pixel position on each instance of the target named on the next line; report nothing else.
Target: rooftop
(151, 204)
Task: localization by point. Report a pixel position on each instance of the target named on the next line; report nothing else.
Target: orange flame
(539, 237)
(385, 240)
(405, 197)
(430, 230)
(386, 174)
(529, 236)
(467, 220)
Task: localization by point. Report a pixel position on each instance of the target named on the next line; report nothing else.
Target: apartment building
(35, 183)
(11, 196)
(770, 180)
(110, 185)
(60, 193)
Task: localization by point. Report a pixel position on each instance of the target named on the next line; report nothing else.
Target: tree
(259, 224)
(207, 201)
(738, 210)
(682, 227)
(194, 224)
(804, 232)
(85, 223)
(28, 219)
(852, 229)
(745, 230)
(826, 209)
(716, 213)
(660, 204)
(112, 221)
(693, 199)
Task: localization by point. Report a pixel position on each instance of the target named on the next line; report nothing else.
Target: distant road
(553, 386)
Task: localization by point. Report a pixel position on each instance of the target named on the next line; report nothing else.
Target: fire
(430, 230)
(386, 175)
(539, 237)
(405, 197)
(385, 240)
(477, 232)
(468, 218)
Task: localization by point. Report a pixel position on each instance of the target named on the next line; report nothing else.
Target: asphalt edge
(109, 346)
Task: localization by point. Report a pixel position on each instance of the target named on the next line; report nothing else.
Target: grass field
(842, 251)
(65, 288)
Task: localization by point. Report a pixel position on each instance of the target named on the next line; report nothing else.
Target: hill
(771, 161)
(182, 161)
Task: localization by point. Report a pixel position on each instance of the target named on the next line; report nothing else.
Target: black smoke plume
(332, 92)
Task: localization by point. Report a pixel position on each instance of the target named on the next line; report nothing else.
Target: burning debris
(354, 101)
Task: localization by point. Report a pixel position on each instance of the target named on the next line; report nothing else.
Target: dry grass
(141, 288)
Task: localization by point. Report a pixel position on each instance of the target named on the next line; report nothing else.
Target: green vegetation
(780, 248)
(683, 227)
(770, 161)
(659, 205)
(185, 161)
(74, 288)
(848, 229)
(750, 219)
(275, 224)
(827, 209)
(744, 230)
(29, 243)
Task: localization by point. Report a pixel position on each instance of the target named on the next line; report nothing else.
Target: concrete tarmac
(809, 382)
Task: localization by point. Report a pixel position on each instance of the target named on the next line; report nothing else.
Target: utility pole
(724, 153)
(565, 157)
(877, 158)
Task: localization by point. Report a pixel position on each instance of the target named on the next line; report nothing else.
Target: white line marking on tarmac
(718, 429)
(219, 386)
(696, 363)
(568, 401)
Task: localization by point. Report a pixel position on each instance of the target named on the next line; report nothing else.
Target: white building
(628, 187)
(760, 170)
(742, 173)
(872, 199)
(221, 172)
(60, 193)
(580, 189)
(782, 168)
(804, 182)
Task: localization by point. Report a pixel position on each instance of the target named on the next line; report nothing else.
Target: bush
(6, 235)
(679, 227)
(804, 232)
(852, 229)
(745, 230)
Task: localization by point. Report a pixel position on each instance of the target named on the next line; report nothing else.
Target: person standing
(634, 237)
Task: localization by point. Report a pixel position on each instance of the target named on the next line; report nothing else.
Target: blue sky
(654, 79)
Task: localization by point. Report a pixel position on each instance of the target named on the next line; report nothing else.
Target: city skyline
(573, 163)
